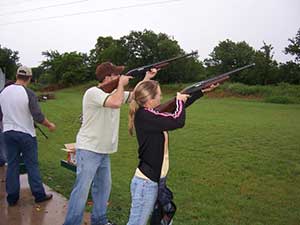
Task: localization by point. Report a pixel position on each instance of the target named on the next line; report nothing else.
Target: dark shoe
(46, 198)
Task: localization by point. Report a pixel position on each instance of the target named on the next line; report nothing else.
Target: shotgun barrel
(195, 89)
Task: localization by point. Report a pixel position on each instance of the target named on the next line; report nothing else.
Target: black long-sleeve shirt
(149, 126)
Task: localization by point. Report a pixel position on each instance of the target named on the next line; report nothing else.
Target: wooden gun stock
(170, 105)
(109, 87)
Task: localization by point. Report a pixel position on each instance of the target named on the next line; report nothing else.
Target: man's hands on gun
(148, 76)
(151, 73)
(124, 80)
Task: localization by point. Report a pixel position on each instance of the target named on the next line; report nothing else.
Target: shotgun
(109, 87)
(195, 90)
(42, 132)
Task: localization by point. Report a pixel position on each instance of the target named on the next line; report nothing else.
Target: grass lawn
(235, 161)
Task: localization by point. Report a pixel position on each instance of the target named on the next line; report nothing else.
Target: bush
(36, 86)
(46, 78)
(279, 100)
(246, 90)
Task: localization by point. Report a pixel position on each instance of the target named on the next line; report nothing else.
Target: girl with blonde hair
(151, 129)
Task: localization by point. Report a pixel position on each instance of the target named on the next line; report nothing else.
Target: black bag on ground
(165, 208)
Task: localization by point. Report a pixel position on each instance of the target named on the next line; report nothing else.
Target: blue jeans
(93, 169)
(17, 143)
(3, 157)
(144, 195)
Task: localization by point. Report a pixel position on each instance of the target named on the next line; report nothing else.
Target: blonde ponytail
(133, 107)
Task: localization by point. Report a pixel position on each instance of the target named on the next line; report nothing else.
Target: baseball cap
(106, 69)
(24, 71)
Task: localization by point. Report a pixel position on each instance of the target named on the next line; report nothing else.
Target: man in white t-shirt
(96, 140)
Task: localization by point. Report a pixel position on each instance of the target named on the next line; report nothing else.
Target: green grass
(235, 161)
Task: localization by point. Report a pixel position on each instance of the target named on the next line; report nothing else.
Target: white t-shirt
(100, 126)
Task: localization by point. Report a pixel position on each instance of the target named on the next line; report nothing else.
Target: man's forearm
(116, 99)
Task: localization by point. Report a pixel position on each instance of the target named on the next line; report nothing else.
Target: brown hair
(142, 93)
(23, 77)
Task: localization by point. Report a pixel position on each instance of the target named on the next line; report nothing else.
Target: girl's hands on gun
(212, 87)
(182, 97)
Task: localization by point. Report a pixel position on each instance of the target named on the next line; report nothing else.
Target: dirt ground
(27, 212)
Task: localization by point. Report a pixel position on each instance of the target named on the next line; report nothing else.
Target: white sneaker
(110, 223)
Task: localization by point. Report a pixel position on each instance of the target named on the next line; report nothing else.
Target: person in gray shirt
(19, 109)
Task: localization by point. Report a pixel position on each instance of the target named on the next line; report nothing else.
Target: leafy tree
(142, 48)
(8, 62)
(265, 71)
(290, 72)
(106, 49)
(36, 73)
(294, 47)
(146, 47)
(229, 55)
(67, 68)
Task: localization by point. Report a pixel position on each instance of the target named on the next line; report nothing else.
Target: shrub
(279, 100)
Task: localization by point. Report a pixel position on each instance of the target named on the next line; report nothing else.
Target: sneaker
(46, 198)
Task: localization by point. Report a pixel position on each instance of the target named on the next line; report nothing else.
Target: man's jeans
(17, 143)
(3, 157)
(92, 169)
(144, 195)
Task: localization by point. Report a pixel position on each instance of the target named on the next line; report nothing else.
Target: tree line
(145, 47)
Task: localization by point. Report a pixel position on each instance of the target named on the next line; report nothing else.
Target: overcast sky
(33, 26)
